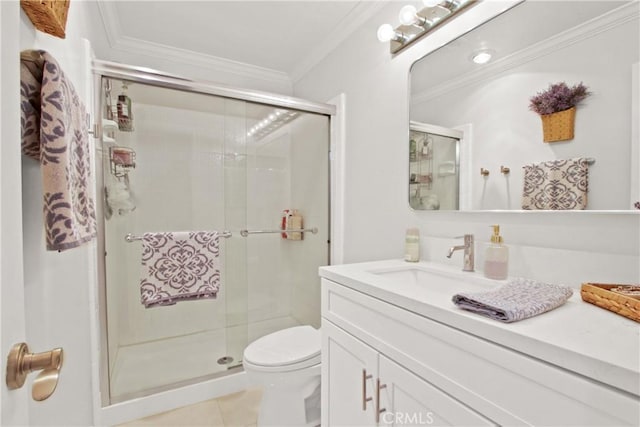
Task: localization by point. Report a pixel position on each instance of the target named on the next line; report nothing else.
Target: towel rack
(314, 230)
(129, 237)
(588, 160)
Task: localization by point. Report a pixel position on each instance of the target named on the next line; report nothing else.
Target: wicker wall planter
(558, 126)
(48, 16)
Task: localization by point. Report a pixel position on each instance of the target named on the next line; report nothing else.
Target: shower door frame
(106, 69)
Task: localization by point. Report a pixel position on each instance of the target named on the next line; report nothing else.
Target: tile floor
(234, 410)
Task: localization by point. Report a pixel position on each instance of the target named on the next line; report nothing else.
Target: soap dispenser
(496, 259)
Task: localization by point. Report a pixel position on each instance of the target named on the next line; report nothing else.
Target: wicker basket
(49, 16)
(600, 295)
(558, 126)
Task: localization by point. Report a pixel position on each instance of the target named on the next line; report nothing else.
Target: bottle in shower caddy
(125, 115)
(496, 259)
(412, 245)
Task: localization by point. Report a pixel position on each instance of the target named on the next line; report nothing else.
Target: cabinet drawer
(506, 386)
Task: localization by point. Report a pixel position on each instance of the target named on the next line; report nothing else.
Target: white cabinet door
(408, 400)
(349, 372)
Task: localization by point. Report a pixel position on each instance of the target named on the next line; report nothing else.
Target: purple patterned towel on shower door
(179, 266)
(517, 300)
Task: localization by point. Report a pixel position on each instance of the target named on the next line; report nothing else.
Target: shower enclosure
(201, 157)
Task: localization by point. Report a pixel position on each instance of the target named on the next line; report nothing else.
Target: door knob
(20, 363)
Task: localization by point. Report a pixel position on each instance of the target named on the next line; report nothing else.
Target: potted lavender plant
(557, 109)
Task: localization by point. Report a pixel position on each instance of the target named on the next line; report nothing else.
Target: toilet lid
(300, 344)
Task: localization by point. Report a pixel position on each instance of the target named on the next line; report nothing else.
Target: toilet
(286, 364)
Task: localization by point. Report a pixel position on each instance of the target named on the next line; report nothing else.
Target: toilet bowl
(286, 364)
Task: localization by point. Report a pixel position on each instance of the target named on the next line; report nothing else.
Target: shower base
(147, 368)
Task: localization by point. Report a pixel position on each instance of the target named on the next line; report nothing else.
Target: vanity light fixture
(416, 24)
(409, 16)
(387, 33)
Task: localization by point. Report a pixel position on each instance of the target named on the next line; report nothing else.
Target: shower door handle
(20, 363)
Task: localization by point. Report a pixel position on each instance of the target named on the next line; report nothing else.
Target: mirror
(533, 45)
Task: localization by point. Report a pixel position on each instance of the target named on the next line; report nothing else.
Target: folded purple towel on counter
(517, 300)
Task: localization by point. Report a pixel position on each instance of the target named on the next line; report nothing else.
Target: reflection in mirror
(433, 167)
(533, 45)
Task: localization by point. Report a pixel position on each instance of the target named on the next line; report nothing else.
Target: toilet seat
(286, 350)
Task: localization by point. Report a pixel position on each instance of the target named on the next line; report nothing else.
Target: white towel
(179, 266)
(517, 300)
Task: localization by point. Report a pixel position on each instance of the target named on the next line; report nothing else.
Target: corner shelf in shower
(122, 160)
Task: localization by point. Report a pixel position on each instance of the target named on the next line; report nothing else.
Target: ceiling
(287, 37)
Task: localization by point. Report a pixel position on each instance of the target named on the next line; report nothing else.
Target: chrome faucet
(468, 252)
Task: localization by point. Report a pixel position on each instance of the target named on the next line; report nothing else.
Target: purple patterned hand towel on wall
(55, 133)
(556, 185)
(517, 300)
(179, 266)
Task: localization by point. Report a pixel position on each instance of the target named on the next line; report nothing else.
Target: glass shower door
(199, 162)
(188, 176)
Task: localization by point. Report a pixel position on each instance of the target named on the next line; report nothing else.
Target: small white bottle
(412, 245)
(496, 259)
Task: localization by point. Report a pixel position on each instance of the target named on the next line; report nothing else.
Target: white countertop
(577, 336)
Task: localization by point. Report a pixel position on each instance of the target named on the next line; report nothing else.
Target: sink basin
(437, 279)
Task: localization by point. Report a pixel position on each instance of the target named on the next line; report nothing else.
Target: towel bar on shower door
(129, 237)
(314, 230)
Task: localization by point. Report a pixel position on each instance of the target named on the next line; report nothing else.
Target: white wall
(568, 247)
(506, 132)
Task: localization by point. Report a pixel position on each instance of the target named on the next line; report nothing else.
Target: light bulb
(408, 15)
(386, 33)
(430, 3)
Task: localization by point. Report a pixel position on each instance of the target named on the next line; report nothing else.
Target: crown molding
(119, 42)
(360, 13)
(591, 28)
(184, 56)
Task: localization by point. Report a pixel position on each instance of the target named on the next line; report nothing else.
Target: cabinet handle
(378, 409)
(365, 399)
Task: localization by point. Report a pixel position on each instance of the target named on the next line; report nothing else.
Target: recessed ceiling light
(482, 56)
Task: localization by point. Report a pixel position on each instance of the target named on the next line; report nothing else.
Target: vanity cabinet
(368, 388)
(428, 373)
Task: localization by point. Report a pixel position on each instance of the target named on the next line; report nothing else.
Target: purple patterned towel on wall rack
(518, 299)
(556, 185)
(55, 133)
(179, 266)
